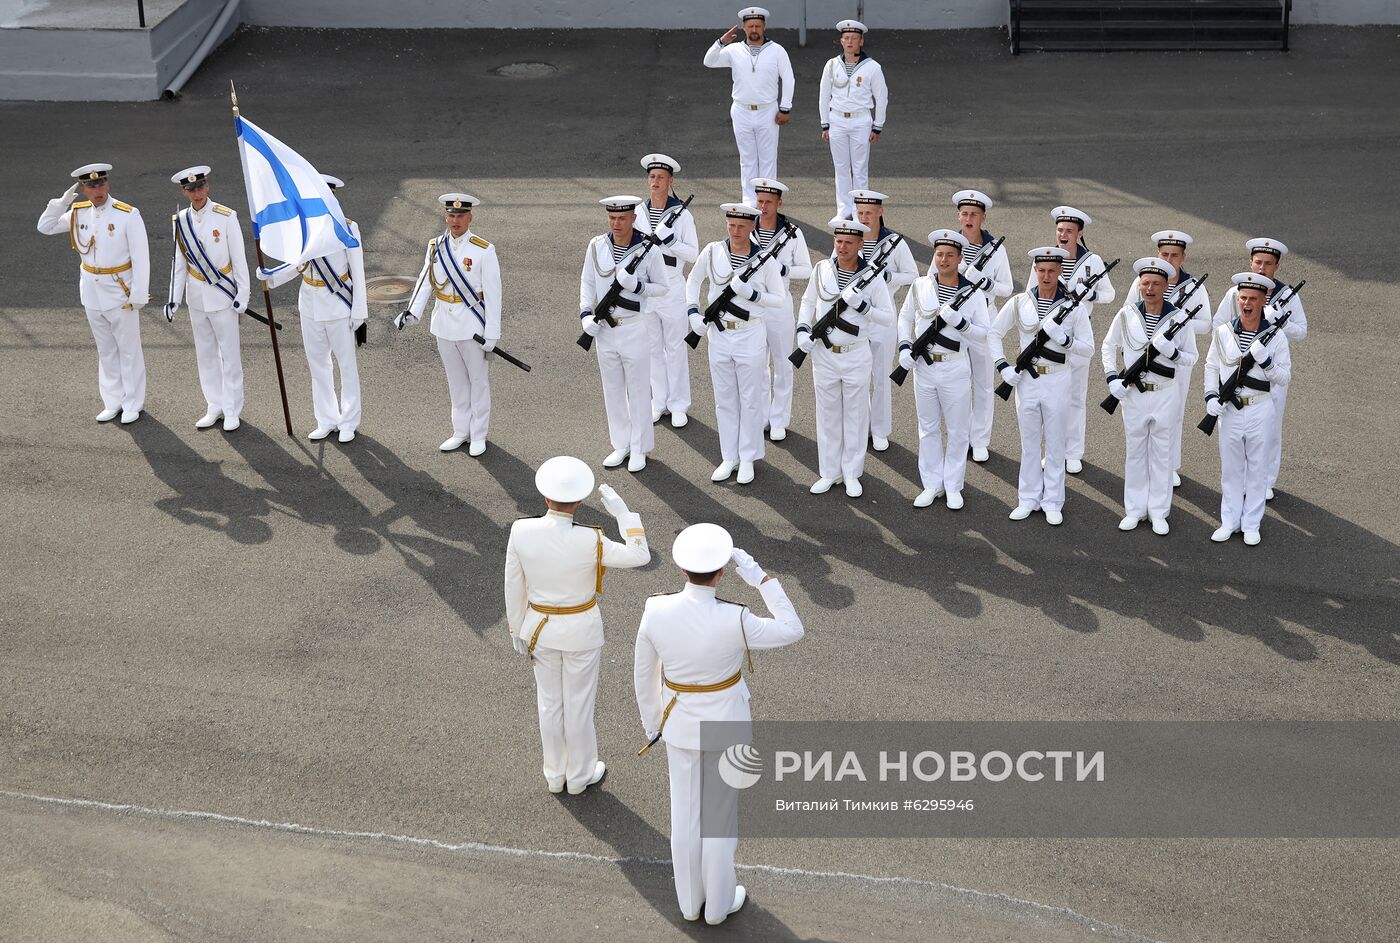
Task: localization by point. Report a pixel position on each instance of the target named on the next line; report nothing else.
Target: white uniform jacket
(599, 270)
(693, 637)
(317, 301)
(553, 562)
(822, 291)
(1020, 313)
(1296, 327)
(758, 80)
(1225, 355)
(466, 259)
(921, 307)
(857, 95)
(715, 267)
(1128, 338)
(1201, 323)
(110, 240)
(216, 246)
(997, 268)
(1086, 264)
(794, 258)
(900, 269)
(682, 250)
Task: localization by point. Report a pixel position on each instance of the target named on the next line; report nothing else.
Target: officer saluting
(462, 273)
(691, 649)
(553, 580)
(113, 283)
(209, 271)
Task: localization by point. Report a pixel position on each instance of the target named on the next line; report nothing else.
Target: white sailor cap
(1047, 254)
(753, 13)
(564, 479)
(660, 162)
(92, 173)
(335, 183)
(191, 178)
(702, 548)
(458, 202)
(867, 196)
(1272, 246)
(1068, 214)
(851, 26)
(768, 185)
(972, 198)
(841, 226)
(947, 237)
(739, 211)
(1172, 237)
(1253, 280)
(620, 204)
(1155, 266)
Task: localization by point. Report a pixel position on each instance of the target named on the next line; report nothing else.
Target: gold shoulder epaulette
(124, 207)
(589, 526)
(82, 204)
(478, 241)
(222, 210)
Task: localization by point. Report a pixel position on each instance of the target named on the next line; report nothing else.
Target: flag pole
(267, 292)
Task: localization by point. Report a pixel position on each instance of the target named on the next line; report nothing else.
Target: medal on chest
(859, 78)
(466, 264)
(111, 229)
(216, 235)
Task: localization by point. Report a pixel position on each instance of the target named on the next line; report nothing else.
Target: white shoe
(656, 415)
(1268, 495)
(130, 415)
(980, 455)
(691, 917)
(1129, 523)
(1054, 518)
(955, 500)
(476, 449)
(1160, 527)
(636, 463)
(231, 423)
(317, 434)
(777, 433)
(1222, 534)
(346, 435)
(678, 420)
(723, 471)
(740, 895)
(853, 488)
(879, 443)
(599, 771)
(1074, 466)
(823, 485)
(208, 419)
(452, 444)
(107, 415)
(1251, 538)
(1020, 512)
(926, 497)
(615, 458)
(555, 788)
(1176, 479)
(745, 473)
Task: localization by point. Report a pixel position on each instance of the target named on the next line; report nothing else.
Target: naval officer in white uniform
(852, 103)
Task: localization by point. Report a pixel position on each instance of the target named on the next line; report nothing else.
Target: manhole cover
(525, 70)
(386, 289)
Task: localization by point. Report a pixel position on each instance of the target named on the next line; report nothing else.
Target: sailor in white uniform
(901, 269)
(852, 104)
(661, 214)
(794, 264)
(977, 264)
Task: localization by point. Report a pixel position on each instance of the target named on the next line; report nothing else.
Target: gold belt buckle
(847, 114)
(1041, 369)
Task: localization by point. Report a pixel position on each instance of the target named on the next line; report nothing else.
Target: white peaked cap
(702, 548)
(564, 479)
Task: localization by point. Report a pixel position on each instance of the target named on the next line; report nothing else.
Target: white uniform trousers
(943, 399)
(1147, 466)
(1078, 400)
(1246, 442)
(780, 325)
(624, 361)
(1183, 393)
(220, 360)
(322, 339)
(842, 383)
(884, 342)
(704, 866)
(850, 154)
(667, 326)
(738, 357)
(566, 687)
(984, 383)
(121, 366)
(1042, 412)
(469, 385)
(756, 133)
(1279, 395)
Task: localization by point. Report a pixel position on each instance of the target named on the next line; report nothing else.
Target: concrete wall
(1347, 12)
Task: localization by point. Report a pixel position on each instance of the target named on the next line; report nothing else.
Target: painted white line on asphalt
(982, 897)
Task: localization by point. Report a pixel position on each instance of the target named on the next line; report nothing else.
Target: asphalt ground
(276, 633)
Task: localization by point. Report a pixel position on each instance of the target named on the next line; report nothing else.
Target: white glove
(405, 318)
(805, 342)
(628, 280)
(906, 359)
(591, 327)
(519, 644)
(665, 235)
(69, 195)
(747, 568)
(1214, 407)
(1117, 388)
(954, 321)
(170, 310)
(754, 294)
(1164, 345)
(612, 501)
(1010, 375)
(852, 295)
(490, 344)
(1056, 332)
(697, 323)
(1259, 351)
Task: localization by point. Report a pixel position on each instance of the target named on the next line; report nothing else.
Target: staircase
(1109, 25)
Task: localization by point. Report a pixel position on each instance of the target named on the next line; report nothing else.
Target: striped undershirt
(843, 278)
(1067, 267)
(618, 251)
(737, 261)
(765, 236)
(869, 251)
(945, 292)
(969, 252)
(1042, 305)
(850, 67)
(654, 214)
(1246, 338)
(1151, 320)
(755, 50)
